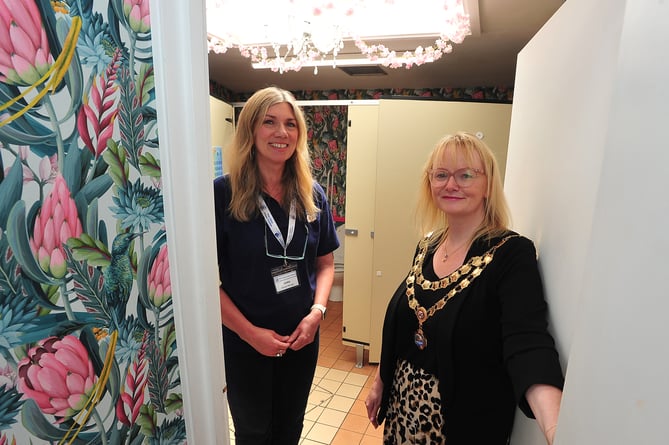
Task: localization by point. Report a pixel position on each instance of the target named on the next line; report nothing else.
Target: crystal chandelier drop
(286, 35)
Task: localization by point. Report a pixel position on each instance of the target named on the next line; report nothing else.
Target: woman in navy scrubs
(275, 238)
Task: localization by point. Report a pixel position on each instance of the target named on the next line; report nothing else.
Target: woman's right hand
(373, 400)
(267, 342)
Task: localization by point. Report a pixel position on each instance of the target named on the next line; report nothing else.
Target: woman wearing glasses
(464, 337)
(275, 238)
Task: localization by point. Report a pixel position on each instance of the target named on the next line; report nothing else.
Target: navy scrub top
(245, 266)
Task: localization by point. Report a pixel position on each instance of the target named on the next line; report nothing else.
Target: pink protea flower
(57, 222)
(137, 13)
(58, 375)
(24, 48)
(5, 441)
(160, 285)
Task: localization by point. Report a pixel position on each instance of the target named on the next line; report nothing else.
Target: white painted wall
(587, 180)
(182, 92)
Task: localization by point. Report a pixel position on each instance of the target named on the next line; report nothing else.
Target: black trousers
(268, 395)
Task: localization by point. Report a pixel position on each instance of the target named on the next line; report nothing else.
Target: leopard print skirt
(414, 409)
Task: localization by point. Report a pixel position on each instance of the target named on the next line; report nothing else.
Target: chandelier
(286, 35)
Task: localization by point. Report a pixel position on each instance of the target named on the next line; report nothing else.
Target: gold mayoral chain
(464, 276)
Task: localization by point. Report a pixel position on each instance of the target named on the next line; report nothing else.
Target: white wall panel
(586, 177)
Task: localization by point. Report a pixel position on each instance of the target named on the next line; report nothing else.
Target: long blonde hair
(245, 178)
(496, 218)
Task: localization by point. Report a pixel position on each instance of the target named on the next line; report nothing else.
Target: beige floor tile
(319, 398)
(347, 390)
(321, 371)
(314, 383)
(321, 433)
(356, 379)
(336, 374)
(306, 427)
(332, 417)
(313, 412)
(340, 403)
(330, 386)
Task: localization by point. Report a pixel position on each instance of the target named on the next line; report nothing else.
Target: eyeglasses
(464, 177)
(288, 257)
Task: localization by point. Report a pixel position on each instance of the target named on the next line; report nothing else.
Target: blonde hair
(245, 178)
(496, 218)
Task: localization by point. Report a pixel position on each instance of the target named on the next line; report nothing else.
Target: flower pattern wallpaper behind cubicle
(327, 129)
(87, 334)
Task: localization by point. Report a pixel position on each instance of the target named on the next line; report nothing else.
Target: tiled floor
(336, 411)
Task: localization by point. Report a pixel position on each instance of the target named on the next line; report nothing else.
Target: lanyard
(271, 223)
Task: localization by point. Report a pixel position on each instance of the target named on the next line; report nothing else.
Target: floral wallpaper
(499, 94)
(87, 335)
(327, 144)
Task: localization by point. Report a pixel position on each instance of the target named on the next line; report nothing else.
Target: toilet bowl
(337, 291)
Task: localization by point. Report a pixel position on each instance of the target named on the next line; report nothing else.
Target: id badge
(285, 277)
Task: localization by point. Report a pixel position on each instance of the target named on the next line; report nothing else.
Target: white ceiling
(487, 58)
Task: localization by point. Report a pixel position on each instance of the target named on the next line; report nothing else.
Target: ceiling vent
(363, 70)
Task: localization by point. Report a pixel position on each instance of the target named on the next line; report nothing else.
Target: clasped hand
(270, 343)
(305, 332)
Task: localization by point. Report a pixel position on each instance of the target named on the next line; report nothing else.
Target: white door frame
(182, 95)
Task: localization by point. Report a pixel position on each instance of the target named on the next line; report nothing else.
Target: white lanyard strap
(271, 223)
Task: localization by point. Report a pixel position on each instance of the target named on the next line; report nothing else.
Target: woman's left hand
(305, 332)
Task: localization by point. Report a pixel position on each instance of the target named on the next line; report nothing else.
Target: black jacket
(492, 344)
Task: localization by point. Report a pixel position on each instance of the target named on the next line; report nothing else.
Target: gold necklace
(464, 276)
(446, 254)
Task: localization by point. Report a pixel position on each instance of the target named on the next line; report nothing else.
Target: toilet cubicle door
(407, 132)
(222, 130)
(360, 182)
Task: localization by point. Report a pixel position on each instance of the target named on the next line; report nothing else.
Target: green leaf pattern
(104, 291)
